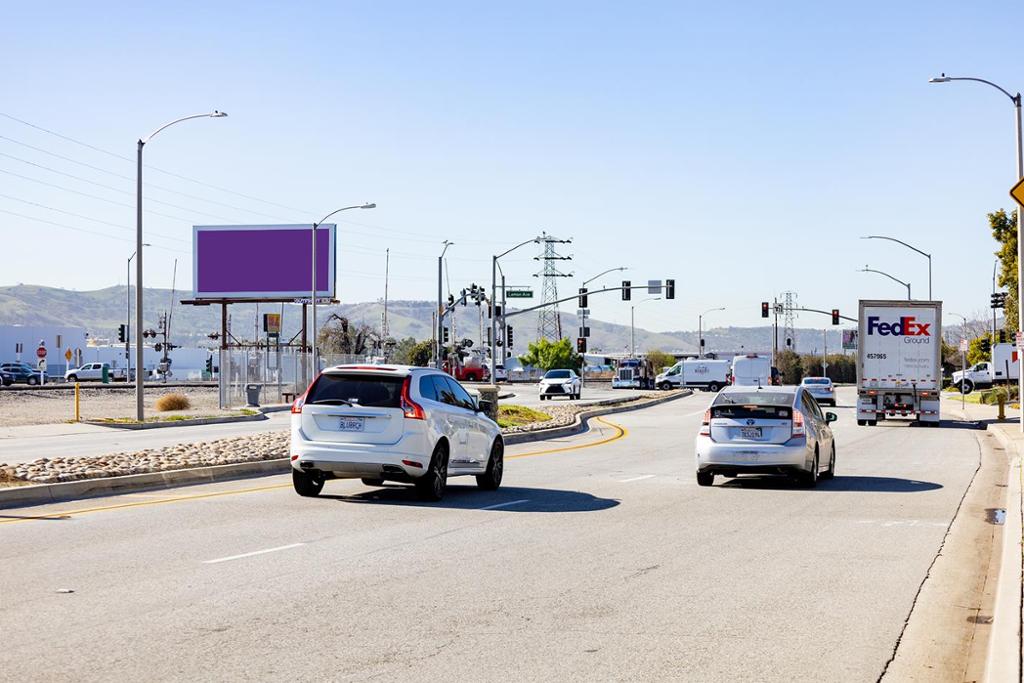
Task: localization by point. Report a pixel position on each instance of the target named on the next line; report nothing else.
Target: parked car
(821, 389)
(21, 372)
(6, 379)
(765, 430)
(93, 372)
(392, 423)
(560, 383)
(500, 375)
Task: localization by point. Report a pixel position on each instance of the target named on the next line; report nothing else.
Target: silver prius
(765, 430)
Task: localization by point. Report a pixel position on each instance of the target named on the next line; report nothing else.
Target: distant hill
(101, 311)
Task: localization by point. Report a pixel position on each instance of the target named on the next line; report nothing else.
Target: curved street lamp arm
(610, 270)
(893, 239)
(213, 114)
(894, 279)
(346, 208)
(509, 251)
(712, 310)
(1013, 98)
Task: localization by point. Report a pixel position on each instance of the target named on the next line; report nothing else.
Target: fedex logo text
(907, 326)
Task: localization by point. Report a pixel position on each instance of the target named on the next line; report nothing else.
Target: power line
(85, 230)
(87, 218)
(148, 184)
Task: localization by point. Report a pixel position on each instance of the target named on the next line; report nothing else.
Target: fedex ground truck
(898, 361)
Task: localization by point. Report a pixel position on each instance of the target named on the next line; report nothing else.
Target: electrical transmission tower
(549, 320)
(789, 319)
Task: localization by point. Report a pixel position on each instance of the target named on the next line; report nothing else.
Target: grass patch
(516, 416)
(172, 402)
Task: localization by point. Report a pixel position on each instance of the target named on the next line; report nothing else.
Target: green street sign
(519, 293)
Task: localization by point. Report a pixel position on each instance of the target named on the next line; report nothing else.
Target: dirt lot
(48, 406)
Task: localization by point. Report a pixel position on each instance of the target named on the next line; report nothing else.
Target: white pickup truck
(1004, 364)
(93, 372)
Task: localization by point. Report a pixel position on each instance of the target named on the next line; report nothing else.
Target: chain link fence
(278, 375)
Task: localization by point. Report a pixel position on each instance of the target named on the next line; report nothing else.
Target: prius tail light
(798, 423)
(705, 424)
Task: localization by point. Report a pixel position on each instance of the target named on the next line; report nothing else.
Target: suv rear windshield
(773, 405)
(817, 380)
(365, 390)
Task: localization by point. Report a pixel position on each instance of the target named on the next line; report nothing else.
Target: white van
(697, 373)
(752, 370)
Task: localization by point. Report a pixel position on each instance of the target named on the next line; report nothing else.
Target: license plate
(351, 424)
(749, 456)
(750, 432)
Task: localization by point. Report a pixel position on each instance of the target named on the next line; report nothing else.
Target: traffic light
(158, 347)
(627, 293)
(670, 289)
(487, 336)
(764, 309)
(986, 346)
(444, 335)
(789, 341)
(209, 364)
(998, 300)
(1002, 336)
(583, 297)
(581, 345)
(835, 316)
(122, 333)
(508, 336)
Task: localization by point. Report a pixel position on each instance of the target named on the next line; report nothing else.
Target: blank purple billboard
(261, 261)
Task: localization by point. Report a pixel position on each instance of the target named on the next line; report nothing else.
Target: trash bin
(106, 374)
(252, 395)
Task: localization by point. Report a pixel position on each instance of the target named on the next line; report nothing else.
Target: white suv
(560, 383)
(392, 422)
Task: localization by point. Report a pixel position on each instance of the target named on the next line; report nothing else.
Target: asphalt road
(599, 558)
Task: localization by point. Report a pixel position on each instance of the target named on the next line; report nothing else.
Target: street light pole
(865, 269)
(140, 412)
(1016, 100)
(928, 256)
(313, 287)
(700, 330)
(494, 298)
(128, 321)
(440, 305)
(632, 324)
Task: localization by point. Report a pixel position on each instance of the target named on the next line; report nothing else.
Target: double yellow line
(619, 433)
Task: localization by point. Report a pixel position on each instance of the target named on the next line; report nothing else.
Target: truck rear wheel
(713, 387)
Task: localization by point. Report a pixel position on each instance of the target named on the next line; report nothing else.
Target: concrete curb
(43, 494)
(180, 423)
(1003, 662)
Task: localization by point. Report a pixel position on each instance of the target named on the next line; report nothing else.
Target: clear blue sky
(740, 147)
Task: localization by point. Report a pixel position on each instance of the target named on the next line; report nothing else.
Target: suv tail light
(798, 423)
(705, 424)
(301, 400)
(410, 408)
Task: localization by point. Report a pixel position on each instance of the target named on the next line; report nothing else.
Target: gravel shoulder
(53, 406)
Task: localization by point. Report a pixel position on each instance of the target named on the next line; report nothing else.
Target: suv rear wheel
(491, 479)
(307, 484)
(431, 486)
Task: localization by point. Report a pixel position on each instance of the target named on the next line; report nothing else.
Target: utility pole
(384, 331)
(440, 304)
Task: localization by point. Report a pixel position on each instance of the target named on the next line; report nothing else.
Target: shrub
(173, 402)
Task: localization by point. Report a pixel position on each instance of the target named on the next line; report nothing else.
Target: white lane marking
(253, 553)
(505, 505)
(626, 481)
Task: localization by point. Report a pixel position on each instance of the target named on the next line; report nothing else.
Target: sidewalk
(1005, 647)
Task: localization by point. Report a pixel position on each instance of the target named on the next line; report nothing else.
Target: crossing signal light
(508, 336)
(627, 293)
(670, 289)
(835, 316)
(581, 345)
(583, 297)
(764, 309)
(122, 333)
